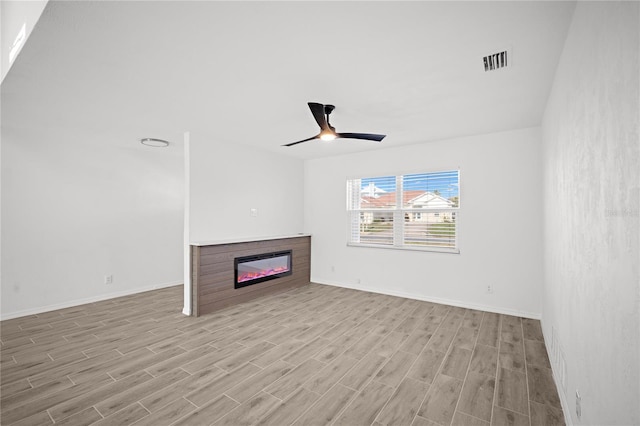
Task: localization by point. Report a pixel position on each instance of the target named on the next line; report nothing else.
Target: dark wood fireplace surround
(213, 271)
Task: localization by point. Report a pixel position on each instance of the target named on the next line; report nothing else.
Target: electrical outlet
(253, 212)
(108, 279)
(578, 404)
(358, 281)
(333, 268)
(489, 288)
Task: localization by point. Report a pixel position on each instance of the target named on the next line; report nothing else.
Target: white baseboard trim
(76, 302)
(451, 302)
(568, 420)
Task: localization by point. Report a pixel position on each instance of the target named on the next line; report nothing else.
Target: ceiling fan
(327, 131)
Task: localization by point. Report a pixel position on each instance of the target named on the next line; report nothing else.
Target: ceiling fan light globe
(327, 136)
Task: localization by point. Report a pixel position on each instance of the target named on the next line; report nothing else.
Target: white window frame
(399, 215)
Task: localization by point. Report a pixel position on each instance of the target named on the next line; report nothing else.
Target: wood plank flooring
(314, 355)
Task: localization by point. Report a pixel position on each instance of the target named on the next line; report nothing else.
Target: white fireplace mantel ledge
(245, 240)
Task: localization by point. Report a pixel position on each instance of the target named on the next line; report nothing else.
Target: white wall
(591, 293)
(77, 207)
(500, 243)
(228, 180)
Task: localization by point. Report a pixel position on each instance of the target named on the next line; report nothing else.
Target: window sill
(409, 248)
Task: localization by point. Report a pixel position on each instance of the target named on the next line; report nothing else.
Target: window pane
(415, 210)
(435, 229)
(372, 228)
(378, 193)
(431, 190)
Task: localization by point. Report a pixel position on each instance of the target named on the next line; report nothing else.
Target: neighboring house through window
(411, 211)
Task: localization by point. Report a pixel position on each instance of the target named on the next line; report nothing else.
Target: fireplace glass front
(261, 267)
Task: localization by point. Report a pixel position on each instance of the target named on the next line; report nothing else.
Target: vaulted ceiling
(242, 72)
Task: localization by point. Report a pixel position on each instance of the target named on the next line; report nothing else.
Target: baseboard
(568, 420)
(451, 302)
(77, 302)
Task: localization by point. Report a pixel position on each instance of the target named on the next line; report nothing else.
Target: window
(412, 211)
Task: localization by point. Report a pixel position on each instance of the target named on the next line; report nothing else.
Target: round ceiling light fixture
(156, 143)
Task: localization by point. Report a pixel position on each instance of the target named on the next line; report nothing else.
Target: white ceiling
(242, 72)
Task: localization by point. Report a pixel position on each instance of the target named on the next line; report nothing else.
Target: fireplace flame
(248, 276)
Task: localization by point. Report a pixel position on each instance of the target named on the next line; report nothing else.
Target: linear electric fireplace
(215, 284)
(261, 267)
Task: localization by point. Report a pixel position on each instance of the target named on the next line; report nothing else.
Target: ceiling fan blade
(365, 136)
(318, 113)
(304, 140)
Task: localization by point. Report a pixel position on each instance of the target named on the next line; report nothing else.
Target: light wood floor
(313, 355)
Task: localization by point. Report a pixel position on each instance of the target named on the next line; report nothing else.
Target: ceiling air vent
(495, 61)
